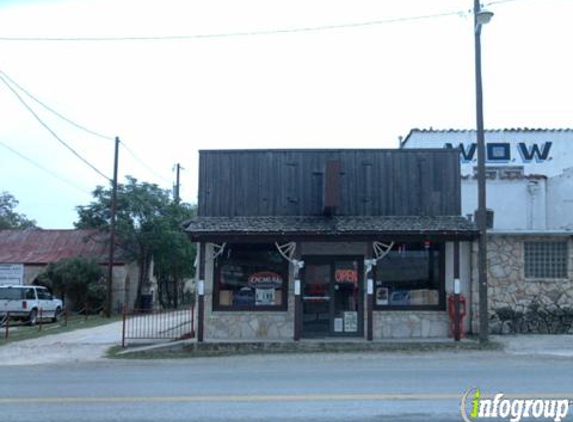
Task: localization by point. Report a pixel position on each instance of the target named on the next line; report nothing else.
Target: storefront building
(329, 243)
(530, 235)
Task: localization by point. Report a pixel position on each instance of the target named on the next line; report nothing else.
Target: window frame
(565, 276)
(217, 307)
(441, 306)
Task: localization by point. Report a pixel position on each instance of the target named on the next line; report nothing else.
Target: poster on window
(338, 325)
(264, 297)
(350, 322)
(382, 294)
(265, 280)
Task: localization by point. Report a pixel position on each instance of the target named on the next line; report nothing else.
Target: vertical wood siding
(291, 182)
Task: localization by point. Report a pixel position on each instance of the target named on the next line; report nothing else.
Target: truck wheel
(33, 318)
(57, 314)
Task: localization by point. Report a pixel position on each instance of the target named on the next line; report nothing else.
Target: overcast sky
(354, 86)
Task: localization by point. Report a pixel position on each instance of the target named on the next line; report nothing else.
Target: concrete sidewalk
(83, 345)
(559, 345)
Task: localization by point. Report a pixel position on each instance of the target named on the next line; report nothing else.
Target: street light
(481, 17)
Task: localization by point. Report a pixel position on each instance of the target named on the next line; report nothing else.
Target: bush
(79, 280)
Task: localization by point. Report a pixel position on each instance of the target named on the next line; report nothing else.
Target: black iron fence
(167, 324)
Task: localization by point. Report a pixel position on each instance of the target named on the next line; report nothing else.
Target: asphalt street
(309, 387)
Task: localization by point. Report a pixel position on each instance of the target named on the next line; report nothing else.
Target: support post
(201, 293)
(297, 307)
(370, 295)
(109, 298)
(457, 327)
(124, 317)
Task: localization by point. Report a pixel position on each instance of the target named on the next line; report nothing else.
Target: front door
(332, 297)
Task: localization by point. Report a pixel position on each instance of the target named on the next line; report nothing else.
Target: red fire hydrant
(452, 314)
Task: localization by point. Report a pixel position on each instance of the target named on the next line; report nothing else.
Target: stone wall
(520, 305)
(410, 324)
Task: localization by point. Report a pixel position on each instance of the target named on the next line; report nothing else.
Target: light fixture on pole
(481, 17)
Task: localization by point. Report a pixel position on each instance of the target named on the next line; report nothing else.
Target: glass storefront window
(411, 275)
(250, 277)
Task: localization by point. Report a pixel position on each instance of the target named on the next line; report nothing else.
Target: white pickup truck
(29, 303)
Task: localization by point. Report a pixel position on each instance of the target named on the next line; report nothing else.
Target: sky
(244, 75)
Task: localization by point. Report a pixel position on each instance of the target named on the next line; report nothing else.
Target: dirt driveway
(87, 344)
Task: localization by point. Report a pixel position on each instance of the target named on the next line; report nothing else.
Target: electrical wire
(49, 129)
(79, 126)
(50, 109)
(134, 155)
(41, 167)
(246, 33)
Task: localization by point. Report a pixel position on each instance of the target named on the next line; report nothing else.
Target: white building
(530, 249)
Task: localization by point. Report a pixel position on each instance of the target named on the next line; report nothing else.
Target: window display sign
(346, 276)
(265, 280)
(350, 322)
(382, 296)
(338, 325)
(11, 274)
(264, 297)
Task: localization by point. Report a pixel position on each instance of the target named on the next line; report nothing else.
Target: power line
(50, 109)
(246, 33)
(79, 126)
(134, 155)
(34, 163)
(51, 131)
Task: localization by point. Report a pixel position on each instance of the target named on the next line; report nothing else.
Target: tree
(148, 228)
(10, 219)
(79, 280)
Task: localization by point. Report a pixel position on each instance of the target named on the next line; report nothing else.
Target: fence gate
(156, 325)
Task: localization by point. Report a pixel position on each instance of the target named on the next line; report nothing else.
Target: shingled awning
(330, 228)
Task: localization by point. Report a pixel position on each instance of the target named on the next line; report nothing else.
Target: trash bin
(146, 302)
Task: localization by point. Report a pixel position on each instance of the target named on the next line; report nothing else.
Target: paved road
(319, 387)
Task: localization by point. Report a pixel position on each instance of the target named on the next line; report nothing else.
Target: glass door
(346, 298)
(332, 293)
(316, 300)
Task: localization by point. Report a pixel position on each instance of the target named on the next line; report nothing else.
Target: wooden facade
(292, 182)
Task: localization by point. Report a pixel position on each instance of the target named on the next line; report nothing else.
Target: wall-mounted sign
(11, 274)
(502, 152)
(265, 280)
(346, 276)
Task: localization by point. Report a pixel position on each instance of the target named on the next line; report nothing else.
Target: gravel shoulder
(83, 345)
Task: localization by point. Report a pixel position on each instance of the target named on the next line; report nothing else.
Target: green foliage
(10, 219)
(148, 227)
(80, 280)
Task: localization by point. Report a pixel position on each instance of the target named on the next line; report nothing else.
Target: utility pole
(108, 301)
(481, 17)
(176, 195)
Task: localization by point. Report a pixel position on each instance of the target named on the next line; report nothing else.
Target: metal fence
(170, 324)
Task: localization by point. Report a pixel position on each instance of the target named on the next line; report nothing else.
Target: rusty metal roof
(45, 246)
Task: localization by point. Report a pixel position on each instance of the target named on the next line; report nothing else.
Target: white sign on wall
(11, 274)
(545, 152)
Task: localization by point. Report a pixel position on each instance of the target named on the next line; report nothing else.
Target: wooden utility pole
(109, 296)
(176, 195)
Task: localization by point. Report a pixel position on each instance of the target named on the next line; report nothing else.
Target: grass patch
(20, 331)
